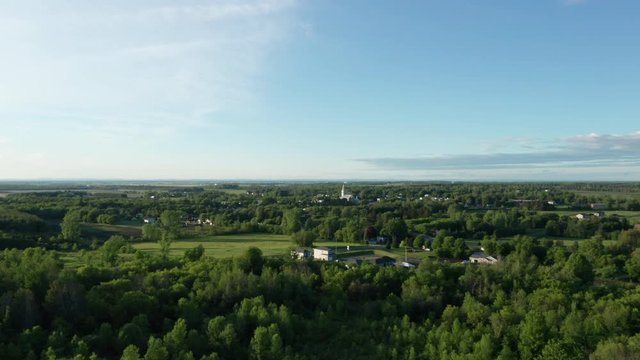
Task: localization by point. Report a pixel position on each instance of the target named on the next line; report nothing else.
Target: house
(378, 240)
(324, 254)
(583, 216)
(300, 253)
(150, 220)
(598, 206)
(636, 227)
(482, 258)
(598, 213)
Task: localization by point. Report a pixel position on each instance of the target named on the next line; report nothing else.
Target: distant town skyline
(320, 90)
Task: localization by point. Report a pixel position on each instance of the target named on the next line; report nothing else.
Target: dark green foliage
(251, 261)
(70, 225)
(303, 238)
(195, 253)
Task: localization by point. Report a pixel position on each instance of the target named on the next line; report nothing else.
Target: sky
(500, 90)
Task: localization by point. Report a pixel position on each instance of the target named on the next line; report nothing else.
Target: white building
(348, 197)
(150, 220)
(324, 254)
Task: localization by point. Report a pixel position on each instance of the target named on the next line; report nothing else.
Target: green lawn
(104, 231)
(222, 246)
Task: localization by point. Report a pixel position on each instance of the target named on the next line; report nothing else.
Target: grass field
(612, 194)
(104, 231)
(233, 191)
(222, 246)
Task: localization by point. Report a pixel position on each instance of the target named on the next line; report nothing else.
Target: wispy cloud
(582, 151)
(121, 63)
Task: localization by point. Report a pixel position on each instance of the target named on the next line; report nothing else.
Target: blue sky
(341, 90)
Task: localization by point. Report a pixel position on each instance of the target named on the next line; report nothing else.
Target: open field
(227, 245)
(222, 246)
(104, 231)
(233, 191)
(612, 194)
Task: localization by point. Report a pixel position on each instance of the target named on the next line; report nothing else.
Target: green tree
(70, 225)
(303, 238)
(251, 261)
(578, 268)
(170, 223)
(533, 335)
(175, 340)
(111, 248)
(632, 265)
(397, 229)
(561, 350)
(131, 352)
(266, 343)
(156, 350)
(194, 254)
(151, 232)
(292, 221)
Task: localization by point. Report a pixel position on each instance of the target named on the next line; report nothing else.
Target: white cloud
(124, 64)
(582, 151)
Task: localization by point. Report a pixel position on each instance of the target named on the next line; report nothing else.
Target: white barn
(324, 254)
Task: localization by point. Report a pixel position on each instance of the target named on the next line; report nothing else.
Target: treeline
(314, 212)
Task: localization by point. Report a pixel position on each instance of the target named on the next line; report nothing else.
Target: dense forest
(564, 287)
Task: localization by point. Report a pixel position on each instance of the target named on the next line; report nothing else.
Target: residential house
(378, 240)
(598, 206)
(150, 220)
